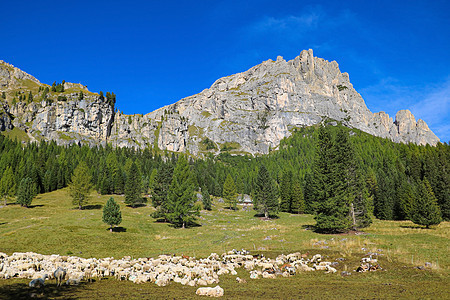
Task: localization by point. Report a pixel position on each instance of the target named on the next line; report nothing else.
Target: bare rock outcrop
(248, 112)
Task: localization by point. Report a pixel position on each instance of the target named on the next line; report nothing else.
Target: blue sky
(153, 53)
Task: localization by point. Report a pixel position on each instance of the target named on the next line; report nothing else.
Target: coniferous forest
(343, 176)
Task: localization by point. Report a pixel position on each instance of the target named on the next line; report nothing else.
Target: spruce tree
(133, 186)
(266, 201)
(229, 192)
(298, 202)
(286, 191)
(7, 184)
(161, 186)
(26, 192)
(206, 198)
(111, 213)
(80, 185)
(181, 207)
(407, 197)
(426, 210)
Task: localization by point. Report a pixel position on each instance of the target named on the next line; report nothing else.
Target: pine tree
(30, 97)
(407, 197)
(298, 202)
(206, 199)
(163, 180)
(426, 210)
(266, 201)
(111, 213)
(341, 198)
(26, 192)
(7, 184)
(181, 208)
(133, 186)
(80, 185)
(229, 192)
(152, 181)
(286, 191)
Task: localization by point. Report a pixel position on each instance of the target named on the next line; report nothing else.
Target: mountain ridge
(248, 112)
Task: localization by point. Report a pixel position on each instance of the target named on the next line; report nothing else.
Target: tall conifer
(181, 207)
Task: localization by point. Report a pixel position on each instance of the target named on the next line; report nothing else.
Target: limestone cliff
(248, 112)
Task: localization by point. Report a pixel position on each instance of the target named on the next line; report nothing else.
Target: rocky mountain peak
(248, 112)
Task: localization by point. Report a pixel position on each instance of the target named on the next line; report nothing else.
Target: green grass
(54, 226)
(16, 134)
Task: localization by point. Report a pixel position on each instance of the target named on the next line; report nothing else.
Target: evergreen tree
(111, 213)
(266, 201)
(407, 197)
(206, 199)
(163, 180)
(332, 199)
(7, 184)
(80, 96)
(286, 191)
(229, 192)
(30, 97)
(181, 208)
(80, 185)
(298, 202)
(152, 181)
(426, 210)
(133, 186)
(26, 192)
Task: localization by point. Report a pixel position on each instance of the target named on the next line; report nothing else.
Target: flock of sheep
(161, 270)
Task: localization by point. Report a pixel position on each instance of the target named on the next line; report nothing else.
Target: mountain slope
(248, 112)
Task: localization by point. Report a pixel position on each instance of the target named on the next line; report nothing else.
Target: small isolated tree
(111, 213)
(229, 192)
(206, 198)
(426, 210)
(80, 186)
(133, 186)
(266, 201)
(7, 184)
(26, 192)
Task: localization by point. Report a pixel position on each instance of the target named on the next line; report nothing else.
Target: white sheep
(210, 292)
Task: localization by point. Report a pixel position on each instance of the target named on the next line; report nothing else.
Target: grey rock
(248, 112)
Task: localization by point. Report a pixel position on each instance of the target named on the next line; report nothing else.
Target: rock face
(248, 112)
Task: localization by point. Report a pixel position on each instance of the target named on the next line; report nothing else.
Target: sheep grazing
(210, 292)
(39, 282)
(75, 281)
(59, 275)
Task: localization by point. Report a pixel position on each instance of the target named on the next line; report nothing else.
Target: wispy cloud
(435, 107)
(429, 103)
(291, 23)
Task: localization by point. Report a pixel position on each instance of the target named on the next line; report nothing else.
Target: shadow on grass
(33, 206)
(415, 227)
(262, 217)
(91, 207)
(309, 227)
(137, 205)
(3, 223)
(118, 229)
(188, 225)
(19, 290)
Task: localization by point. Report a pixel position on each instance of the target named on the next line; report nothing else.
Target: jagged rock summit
(248, 112)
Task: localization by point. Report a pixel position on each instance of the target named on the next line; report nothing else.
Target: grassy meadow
(54, 226)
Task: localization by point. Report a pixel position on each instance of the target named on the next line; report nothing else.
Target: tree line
(385, 179)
